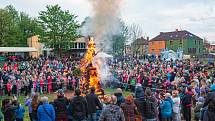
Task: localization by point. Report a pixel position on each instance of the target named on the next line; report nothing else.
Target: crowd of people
(160, 91)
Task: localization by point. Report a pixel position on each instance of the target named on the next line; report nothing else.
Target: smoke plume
(103, 24)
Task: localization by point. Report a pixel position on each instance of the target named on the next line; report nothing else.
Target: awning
(18, 49)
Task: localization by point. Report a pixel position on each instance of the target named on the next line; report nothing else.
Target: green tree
(59, 28)
(119, 40)
(28, 27)
(16, 27)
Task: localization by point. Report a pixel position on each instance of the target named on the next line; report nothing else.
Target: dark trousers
(166, 119)
(30, 116)
(187, 113)
(17, 119)
(62, 118)
(26, 90)
(14, 90)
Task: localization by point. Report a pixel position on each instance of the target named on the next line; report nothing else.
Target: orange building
(156, 46)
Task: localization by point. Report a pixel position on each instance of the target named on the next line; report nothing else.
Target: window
(195, 42)
(181, 42)
(81, 45)
(199, 42)
(199, 50)
(192, 50)
(171, 44)
(74, 45)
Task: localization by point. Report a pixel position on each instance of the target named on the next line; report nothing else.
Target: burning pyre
(90, 76)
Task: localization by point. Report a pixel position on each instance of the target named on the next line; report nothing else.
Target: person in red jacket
(41, 85)
(9, 87)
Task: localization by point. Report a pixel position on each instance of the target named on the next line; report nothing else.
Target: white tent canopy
(103, 55)
(18, 49)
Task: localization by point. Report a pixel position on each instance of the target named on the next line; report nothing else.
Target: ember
(90, 76)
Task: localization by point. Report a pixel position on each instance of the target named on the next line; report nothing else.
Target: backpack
(78, 108)
(211, 105)
(150, 106)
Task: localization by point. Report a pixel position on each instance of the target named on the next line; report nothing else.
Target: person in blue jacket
(166, 107)
(45, 111)
(20, 111)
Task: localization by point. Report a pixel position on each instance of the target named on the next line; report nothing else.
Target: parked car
(14, 58)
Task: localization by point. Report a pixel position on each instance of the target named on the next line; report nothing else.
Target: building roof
(175, 35)
(140, 41)
(18, 49)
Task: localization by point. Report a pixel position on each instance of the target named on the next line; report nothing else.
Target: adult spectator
(176, 106)
(93, 101)
(112, 112)
(150, 103)
(28, 102)
(20, 111)
(45, 111)
(198, 108)
(139, 100)
(60, 106)
(187, 103)
(8, 109)
(166, 107)
(34, 105)
(120, 98)
(210, 102)
(129, 108)
(79, 107)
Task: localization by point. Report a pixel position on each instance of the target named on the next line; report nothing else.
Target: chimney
(147, 38)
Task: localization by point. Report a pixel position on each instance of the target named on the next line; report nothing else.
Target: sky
(153, 16)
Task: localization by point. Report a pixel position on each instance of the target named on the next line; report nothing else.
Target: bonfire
(90, 75)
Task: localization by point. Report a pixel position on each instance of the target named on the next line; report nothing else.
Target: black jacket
(9, 112)
(60, 106)
(93, 101)
(80, 100)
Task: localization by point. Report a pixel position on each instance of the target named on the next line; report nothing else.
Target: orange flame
(90, 74)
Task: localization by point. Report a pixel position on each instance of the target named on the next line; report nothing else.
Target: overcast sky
(154, 16)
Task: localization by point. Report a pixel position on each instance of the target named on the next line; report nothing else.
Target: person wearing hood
(166, 107)
(120, 98)
(129, 108)
(139, 100)
(60, 106)
(210, 102)
(112, 112)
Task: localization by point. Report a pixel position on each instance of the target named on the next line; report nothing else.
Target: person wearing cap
(112, 112)
(45, 111)
(60, 106)
(120, 98)
(94, 102)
